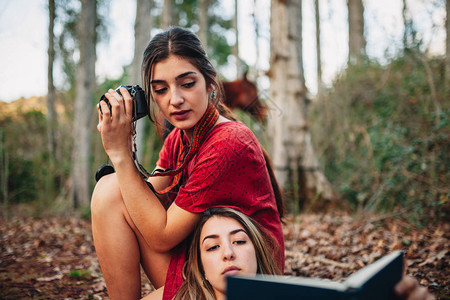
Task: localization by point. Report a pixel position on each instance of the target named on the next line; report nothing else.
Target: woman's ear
(210, 88)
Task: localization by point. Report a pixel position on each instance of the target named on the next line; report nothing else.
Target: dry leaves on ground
(55, 258)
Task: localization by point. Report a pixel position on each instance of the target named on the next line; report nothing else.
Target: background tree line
(377, 138)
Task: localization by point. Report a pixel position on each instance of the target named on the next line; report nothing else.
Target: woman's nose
(176, 98)
(228, 253)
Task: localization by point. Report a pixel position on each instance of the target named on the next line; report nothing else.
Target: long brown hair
(195, 286)
(184, 43)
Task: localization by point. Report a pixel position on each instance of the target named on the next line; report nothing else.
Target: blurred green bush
(32, 177)
(382, 132)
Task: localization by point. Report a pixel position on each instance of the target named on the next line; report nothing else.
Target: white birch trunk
(447, 52)
(203, 23)
(257, 36)
(51, 114)
(318, 48)
(236, 44)
(292, 149)
(356, 40)
(168, 18)
(83, 107)
(142, 29)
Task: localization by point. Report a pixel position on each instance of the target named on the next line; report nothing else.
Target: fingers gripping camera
(140, 108)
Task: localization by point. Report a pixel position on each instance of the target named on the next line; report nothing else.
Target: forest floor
(55, 258)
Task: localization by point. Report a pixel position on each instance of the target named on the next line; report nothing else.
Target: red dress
(228, 170)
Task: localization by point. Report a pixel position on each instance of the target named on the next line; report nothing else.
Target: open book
(375, 281)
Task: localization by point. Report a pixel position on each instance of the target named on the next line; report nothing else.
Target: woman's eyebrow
(176, 78)
(157, 81)
(185, 74)
(211, 236)
(215, 236)
(237, 230)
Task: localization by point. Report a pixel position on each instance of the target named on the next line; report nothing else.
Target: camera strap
(145, 174)
(185, 153)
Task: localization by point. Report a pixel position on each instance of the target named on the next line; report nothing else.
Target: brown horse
(243, 94)
(239, 94)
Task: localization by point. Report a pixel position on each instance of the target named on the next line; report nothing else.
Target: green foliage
(34, 177)
(21, 181)
(38, 180)
(25, 150)
(187, 14)
(383, 135)
(81, 273)
(219, 48)
(109, 83)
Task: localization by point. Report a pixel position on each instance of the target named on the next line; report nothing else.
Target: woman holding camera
(208, 160)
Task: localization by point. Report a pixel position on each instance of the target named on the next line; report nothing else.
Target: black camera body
(140, 107)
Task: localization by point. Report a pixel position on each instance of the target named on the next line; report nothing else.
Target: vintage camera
(140, 108)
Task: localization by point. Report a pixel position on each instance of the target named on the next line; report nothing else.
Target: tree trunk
(83, 107)
(4, 174)
(203, 22)
(407, 25)
(356, 40)
(257, 35)
(319, 58)
(236, 44)
(447, 52)
(142, 29)
(292, 153)
(51, 114)
(168, 18)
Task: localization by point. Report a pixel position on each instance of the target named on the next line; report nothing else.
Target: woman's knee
(106, 195)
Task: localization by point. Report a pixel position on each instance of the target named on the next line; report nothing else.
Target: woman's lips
(230, 271)
(180, 115)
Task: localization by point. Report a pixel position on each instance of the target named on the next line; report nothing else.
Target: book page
(359, 278)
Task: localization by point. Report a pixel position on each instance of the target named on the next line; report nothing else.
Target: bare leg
(155, 295)
(120, 246)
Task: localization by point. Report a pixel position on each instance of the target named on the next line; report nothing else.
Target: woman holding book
(208, 160)
(227, 243)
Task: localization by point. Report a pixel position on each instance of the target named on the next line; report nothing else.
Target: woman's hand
(115, 124)
(409, 288)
